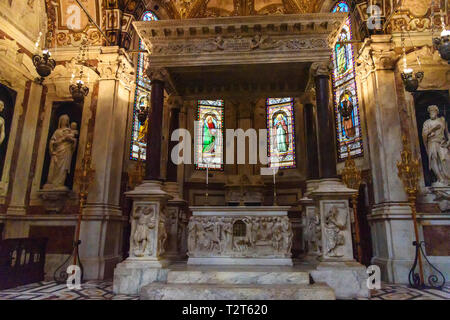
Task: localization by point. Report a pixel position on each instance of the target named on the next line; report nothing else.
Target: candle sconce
(409, 172)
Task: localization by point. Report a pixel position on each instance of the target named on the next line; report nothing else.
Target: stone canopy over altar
(131, 142)
(232, 58)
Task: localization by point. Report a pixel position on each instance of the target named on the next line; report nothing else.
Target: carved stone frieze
(233, 237)
(253, 39)
(238, 44)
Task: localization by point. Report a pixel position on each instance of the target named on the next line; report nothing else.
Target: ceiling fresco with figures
(66, 23)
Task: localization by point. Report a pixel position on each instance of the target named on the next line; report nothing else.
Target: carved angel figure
(333, 227)
(141, 236)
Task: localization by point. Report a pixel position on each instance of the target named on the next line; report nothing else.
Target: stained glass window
(209, 135)
(281, 128)
(348, 125)
(141, 98)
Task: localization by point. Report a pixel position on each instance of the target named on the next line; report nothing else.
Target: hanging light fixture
(43, 63)
(410, 79)
(78, 90)
(442, 43)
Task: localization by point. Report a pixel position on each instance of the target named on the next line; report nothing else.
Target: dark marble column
(311, 140)
(154, 134)
(325, 120)
(175, 104)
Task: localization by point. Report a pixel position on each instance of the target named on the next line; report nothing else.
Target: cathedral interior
(189, 149)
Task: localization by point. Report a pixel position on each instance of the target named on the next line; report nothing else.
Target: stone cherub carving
(436, 140)
(142, 241)
(335, 222)
(2, 124)
(62, 146)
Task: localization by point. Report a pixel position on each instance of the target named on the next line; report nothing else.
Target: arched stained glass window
(346, 104)
(281, 128)
(209, 135)
(141, 98)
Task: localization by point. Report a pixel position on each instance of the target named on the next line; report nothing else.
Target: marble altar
(240, 235)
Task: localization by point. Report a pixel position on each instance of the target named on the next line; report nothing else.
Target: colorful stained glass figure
(209, 135)
(341, 6)
(281, 128)
(141, 99)
(348, 124)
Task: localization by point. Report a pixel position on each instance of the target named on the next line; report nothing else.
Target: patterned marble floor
(101, 290)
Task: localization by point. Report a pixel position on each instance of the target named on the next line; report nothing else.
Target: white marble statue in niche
(145, 223)
(62, 146)
(436, 140)
(335, 222)
(2, 123)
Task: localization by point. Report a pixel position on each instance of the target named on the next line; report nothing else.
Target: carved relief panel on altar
(253, 237)
(7, 103)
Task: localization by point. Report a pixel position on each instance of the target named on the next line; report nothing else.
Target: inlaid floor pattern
(102, 290)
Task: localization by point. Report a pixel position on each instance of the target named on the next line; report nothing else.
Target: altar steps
(235, 284)
(203, 291)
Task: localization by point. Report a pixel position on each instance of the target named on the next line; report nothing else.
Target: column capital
(158, 74)
(378, 52)
(175, 102)
(115, 65)
(321, 69)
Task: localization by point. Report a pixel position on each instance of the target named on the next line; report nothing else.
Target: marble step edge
(238, 277)
(173, 291)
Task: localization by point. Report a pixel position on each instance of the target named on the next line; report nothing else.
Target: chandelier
(78, 90)
(410, 79)
(44, 64)
(441, 43)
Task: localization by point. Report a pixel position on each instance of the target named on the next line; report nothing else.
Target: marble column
(382, 94)
(311, 142)
(175, 104)
(310, 216)
(325, 118)
(331, 219)
(176, 207)
(18, 202)
(154, 134)
(150, 219)
(100, 250)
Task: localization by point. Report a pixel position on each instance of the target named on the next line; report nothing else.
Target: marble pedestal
(148, 240)
(240, 235)
(337, 267)
(176, 224)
